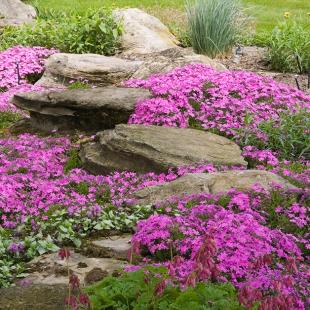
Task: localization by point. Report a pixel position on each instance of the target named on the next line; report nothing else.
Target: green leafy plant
(139, 290)
(182, 34)
(61, 229)
(79, 85)
(288, 136)
(8, 118)
(94, 31)
(213, 25)
(290, 40)
(73, 161)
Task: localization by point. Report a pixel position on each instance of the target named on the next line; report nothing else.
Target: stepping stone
(154, 148)
(213, 183)
(82, 109)
(113, 247)
(50, 269)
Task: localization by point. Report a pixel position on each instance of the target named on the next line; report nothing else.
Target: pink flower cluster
(297, 214)
(243, 240)
(16, 65)
(224, 101)
(268, 160)
(32, 180)
(262, 260)
(5, 97)
(266, 157)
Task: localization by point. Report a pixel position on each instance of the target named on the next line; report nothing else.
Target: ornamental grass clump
(214, 25)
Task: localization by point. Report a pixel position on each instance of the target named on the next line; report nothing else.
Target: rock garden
(140, 170)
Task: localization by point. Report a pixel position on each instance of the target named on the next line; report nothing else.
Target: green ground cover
(266, 13)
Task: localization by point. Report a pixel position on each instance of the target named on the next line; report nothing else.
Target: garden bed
(48, 201)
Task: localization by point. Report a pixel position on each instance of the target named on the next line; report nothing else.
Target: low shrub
(89, 32)
(289, 40)
(214, 25)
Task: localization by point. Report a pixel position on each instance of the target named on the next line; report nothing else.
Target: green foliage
(214, 25)
(73, 161)
(94, 31)
(7, 119)
(265, 12)
(79, 85)
(7, 265)
(136, 291)
(289, 136)
(82, 188)
(260, 39)
(61, 229)
(280, 220)
(11, 264)
(182, 34)
(290, 39)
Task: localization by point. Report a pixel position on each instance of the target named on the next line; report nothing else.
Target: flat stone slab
(85, 109)
(61, 68)
(50, 269)
(154, 148)
(213, 183)
(114, 247)
(34, 297)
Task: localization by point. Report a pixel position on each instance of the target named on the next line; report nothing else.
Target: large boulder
(143, 33)
(84, 109)
(62, 68)
(15, 12)
(155, 148)
(213, 183)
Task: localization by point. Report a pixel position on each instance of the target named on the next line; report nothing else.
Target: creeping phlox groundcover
(18, 67)
(259, 239)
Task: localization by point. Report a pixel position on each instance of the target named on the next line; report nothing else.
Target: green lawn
(266, 13)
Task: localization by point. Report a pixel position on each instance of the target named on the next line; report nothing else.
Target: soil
(255, 59)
